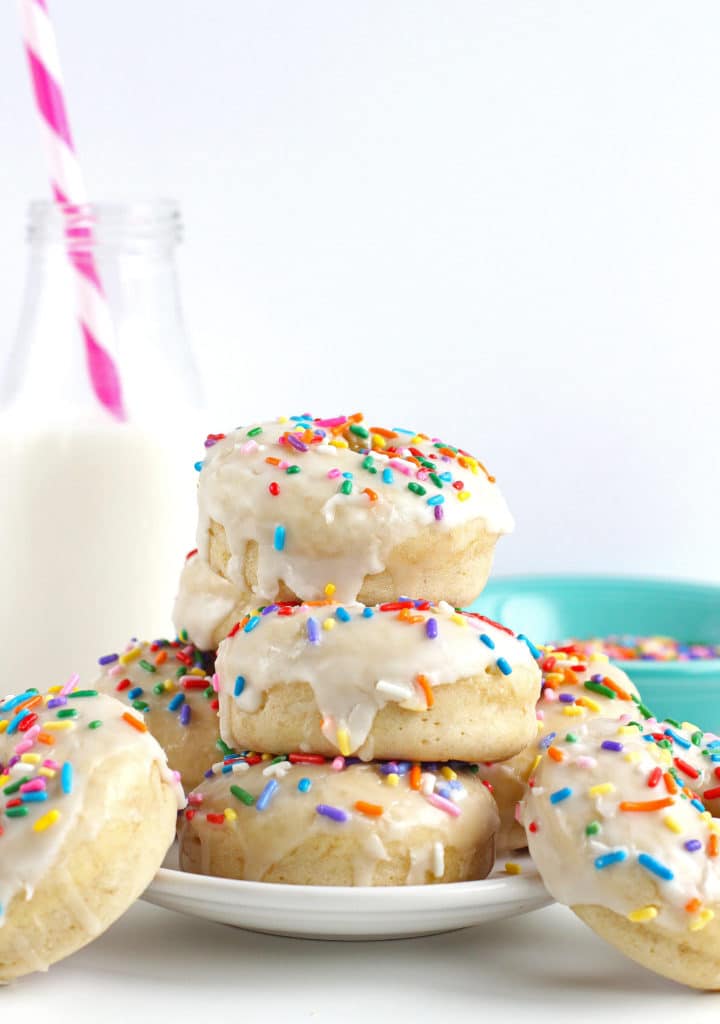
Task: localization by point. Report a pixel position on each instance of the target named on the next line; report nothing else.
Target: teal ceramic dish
(555, 608)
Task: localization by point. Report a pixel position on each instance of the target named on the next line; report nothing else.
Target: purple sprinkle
(438, 512)
(209, 773)
(611, 745)
(389, 768)
(597, 678)
(185, 714)
(331, 812)
(566, 698)
(546, 741)
(431, 628)
(693, 845)
(313, 631)
(297, 444)
(57, 702)
(270, 609)
(107, 659)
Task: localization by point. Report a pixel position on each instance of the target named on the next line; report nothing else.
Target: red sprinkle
(306, 759)
(124, 684)
(27, 723)
(190, 554)
(196, 684)
(654, 777)
(216, 819)
(533, 826)
(686, 768)
(190, 814)
(712, 794)
(274, 489)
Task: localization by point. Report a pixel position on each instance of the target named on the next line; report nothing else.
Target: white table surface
(156, 965)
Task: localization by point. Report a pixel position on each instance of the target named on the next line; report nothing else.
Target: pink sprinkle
(116, 670)
(549, 695)
(33, 786)
(32, 732)
(338, 764)
(333, 474)
(249, 446)
(402, 467)
(336, 421)
(585, 762)
(215, 683)
(70, 684)
(23, 747)
(422, 474)
(52, 765)
(518, 811)
(195, 798)
(443, 805)
(284, 464)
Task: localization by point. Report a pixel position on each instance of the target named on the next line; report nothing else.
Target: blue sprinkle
(12, 702)
(177, 700)
(185, 714)
(304, 785)
(607, 859)
(34, 798)
(446, 476)
(66, 778)
(680, 740)
(15, 722)
(107, 659)
(368, 613)
(266, 796)
(546, 741)
(488, 641)
(613, 745)
(436, 499)
(698, 805)
(560, 794)
(313, 630)
(343, 614)
(279, 539)
(431, 628)
(530, 645)
(444, 791)
(403, 767)
(504, 665)
(226, 769)
(349, 476)
(655, 867)
(135, 692)
(388, 476)
(198, 466)
(239, 685)
(693, 845)
(251, 624)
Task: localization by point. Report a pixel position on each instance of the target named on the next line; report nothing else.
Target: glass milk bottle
(95, 515)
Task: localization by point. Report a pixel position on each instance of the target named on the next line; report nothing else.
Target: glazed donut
(288, 506)
(170, 682)
(617, 836)
(306, 821)
(573, 689)
(88, 812)
(406, 679)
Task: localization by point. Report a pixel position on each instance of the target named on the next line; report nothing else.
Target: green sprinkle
(254, 432)
(67, 713)
(223, 747)
(427, 464)
(16, 812)
(346, 487)
(355, 428)
(474, 768)
(697, 738)
(242, 795)
(95, 725)
(436, 480)
(571, 738)
(184, 635)
(146, 665)
(278, 759)
(85, 693)
(671, 721)
(159, 689)
(665, 744)
(592, 829)
(182, 671)
(416, 488)
(604, 691)
(13, 787)
(642, 708)
(369, 465)
(208, 692)
(140, 705)
(292, 469)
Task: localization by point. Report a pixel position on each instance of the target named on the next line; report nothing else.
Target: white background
(498, 222)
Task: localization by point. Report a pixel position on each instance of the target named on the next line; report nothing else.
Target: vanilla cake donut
(170, 682)
(618, 837)
(305, 821)
(88, 811)
(405, 679)
(574, 688)
(288, 506)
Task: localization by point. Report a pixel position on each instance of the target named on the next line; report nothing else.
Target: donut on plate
(406, 679)
(288, 506)
(308, 821)
(87, 812)
(170, 683)
(617, 835)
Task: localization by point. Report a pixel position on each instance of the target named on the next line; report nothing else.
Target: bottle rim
(106, 222)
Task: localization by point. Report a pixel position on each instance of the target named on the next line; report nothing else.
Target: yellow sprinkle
(599, 656)
(588, 702)
(282, 419)
(642, 914)
(447, 772)
(30, 758)
(343, 742)
(713, 825)
(554, 677)
(459, 619)
(689, 727)
(329, 624)
(627, 730)
(633, 756)
(4, 724)
(703, 918)
(673, 824)
(52, 689)
(330, 589)
(129, 656)
(168, 686)
(337, 442)
(463, 495)
(601, 789)
(230, 814)
(46, 821)
(4, 779)
(573, 711)
(54, 726)
(392, 779)
(266, 757)
(535, 763)
(47, 772)
(664, 755)
(378, 441)
(511, 868)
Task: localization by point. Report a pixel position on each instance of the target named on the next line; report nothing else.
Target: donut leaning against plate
(170, 683)
(288, 506)
(407, 679)
(87, 813)
(309, 821)
(618, 836)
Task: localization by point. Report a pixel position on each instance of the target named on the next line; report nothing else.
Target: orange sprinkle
(134, 722)
(693, 905)
(46, 738)
(406, 616)
(317, 604)
(556, 754)
(272, 460)
(670, 783)
(415, 773)
(646, 805)
(356, 417)
(28, 705)
(622, 694)
(447, 451)
(383, 432)
(372, 495)
(372, 810)
(161, 658)
(713, 845)
(427, 690)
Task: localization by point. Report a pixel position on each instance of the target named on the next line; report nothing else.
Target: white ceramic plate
(334, 912)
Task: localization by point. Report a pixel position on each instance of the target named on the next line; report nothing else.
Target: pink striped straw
(69, 191)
